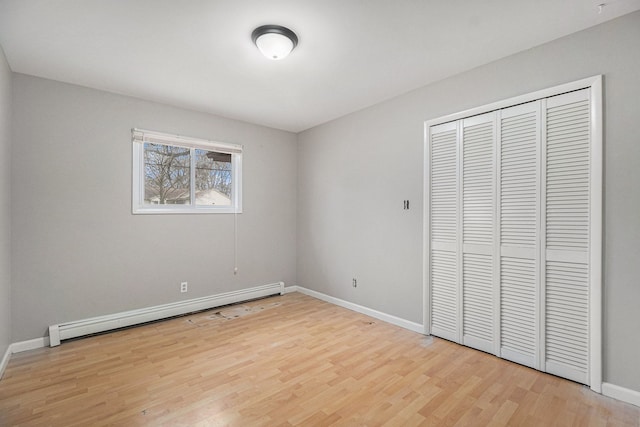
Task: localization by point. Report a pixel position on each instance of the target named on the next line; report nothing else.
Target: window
(175, 174)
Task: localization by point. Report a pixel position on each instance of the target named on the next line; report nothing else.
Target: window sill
(182, 210)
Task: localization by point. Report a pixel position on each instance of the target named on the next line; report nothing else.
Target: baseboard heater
(78, 328)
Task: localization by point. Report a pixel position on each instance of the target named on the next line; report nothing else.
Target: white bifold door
(509, 232)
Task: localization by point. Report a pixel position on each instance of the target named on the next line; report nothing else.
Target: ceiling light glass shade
(274, 46)
(275, 42)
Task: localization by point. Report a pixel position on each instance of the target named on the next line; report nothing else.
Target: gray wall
(354, 172)
(5, 204)
(78, 251)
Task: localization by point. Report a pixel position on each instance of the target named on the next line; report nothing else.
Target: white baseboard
(403, 323)
(19, 347)
(621, 393)
(289, 289)
(5, 360)
(135, 317)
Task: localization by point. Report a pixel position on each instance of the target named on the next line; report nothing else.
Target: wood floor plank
(285, 361)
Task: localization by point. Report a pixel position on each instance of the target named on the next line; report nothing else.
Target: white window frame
(141, 136)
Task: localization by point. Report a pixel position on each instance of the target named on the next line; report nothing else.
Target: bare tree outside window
(213, 178)
(167, 174)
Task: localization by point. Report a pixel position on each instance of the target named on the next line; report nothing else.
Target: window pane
(213, 178)
(166, 175)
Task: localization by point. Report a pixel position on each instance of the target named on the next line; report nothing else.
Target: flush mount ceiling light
(274, 41)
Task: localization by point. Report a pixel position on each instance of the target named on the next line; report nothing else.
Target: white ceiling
(352, 54)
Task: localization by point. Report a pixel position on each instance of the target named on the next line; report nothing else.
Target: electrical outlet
(184, 287)
(354, 283)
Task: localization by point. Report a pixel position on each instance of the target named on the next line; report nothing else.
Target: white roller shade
(142, 136)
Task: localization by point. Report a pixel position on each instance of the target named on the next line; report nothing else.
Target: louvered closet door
(513, 250)
(519, 219)
(478, 176)
(443, 230)
(567, 210)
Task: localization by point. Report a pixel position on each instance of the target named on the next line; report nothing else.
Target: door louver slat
(477, 296)
(443, 186)
(478, 141)
(478, 184)
(444, 312)
(567, 230)
(518, 173)
(444, 207)
(567, 316)
(568, 169)
(517, 300)
(514, 231)
(519, 146)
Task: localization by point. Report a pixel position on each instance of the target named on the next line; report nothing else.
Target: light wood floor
(289, 360)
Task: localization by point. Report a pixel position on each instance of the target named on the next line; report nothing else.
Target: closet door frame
(594, 84)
